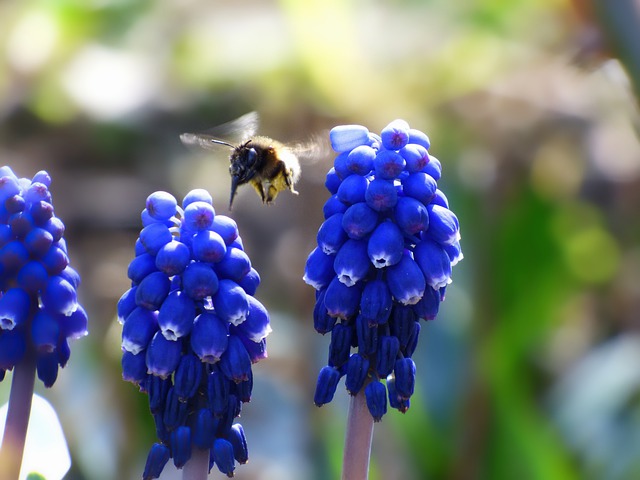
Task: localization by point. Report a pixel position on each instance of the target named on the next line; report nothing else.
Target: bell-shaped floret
(357, 370)
(406, 281)
(318, 271)
(345, 138)
(141, 266)
(405, 374)
(59, 296)
(152, 290)
(230, 302)
(376, 302)
(388, 349)
(331, 235)
(44, 331)
(139, 328)
(367, 336)
(411, 215)
(156, 460)
(176, 315)
(352, 263)
(434, 263)
(181, 446)
(340, 345)
(381, 195)
(376, 397)
(209, 337)
(47, 368)
(173, 258)
(386, 245)
(342, 301)
(256, 326)
(328, 379)
(359, 220)
(234, 265)
(126, 304)
(14, 308)
(134, 367)
(322, 321)
(204, 429)
(352, 189)
(187, 377)
(443, 225)
(239, 442)
(428, 306)
(223, 455)
(208, 246)
(199, 281)
(235, 362)
(163, 356)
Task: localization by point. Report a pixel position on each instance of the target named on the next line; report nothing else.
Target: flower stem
(357, 443)
(197, 468)
(15, 430)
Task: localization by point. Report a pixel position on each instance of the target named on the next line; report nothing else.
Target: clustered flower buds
(192, 329)
(39, 310)
(383, 261)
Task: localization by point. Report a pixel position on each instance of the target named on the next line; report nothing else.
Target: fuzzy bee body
(268, 165)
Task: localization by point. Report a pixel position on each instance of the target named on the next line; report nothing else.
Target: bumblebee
(268, 165)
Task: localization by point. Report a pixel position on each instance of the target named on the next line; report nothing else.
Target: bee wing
(313, 150)
(232, 133)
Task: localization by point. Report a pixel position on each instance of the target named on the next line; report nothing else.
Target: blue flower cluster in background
(39, 310)
(383, 261)
(191, 329)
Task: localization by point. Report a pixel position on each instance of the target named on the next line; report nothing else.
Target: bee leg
(288, 180)
(258, 187)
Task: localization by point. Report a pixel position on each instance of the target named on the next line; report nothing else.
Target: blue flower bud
(175, 411)
(63, 352)
(412, 343)
(239, 443)
(223, 455)
(44, 331)
(395, 135)
(352, 189)
(14, 308)
(340, 345)
(204, 429)
(328, 379)
(406, 281)
(55, 227)
(139, 328)
(187, 377)
(199, 281)
(332, 206)
(318, 271)
(156, 460)
(158, 388)
(47, 368)
(8, 186)
(412, 216)
(181, 446)
(234, 265)
(359, 220)
(405, 373)
(376, 397)
(208, 246)
(428, 306)
(230, 302)
(59, 296)
(401, 323)
(360, 160)
(162, 432)
(454, 251)
(257, 350)
(38, 241)
(415, 156)
(176, 314)
(386, 245)
(357, 370)
(41, 212)
(134, 368)
(154, 236)
(152, 290)
(198, 216)
(342, 301)
(235, 362)
(420, 186)
(395, 401)
(226, 227)
(367, 336)
(331, 235)
(256, 326)
(352, 262)
(388, 349)
(173, 258)
(13, 256)
(434, 263)
(197, 195)
(21, 223)
(37, 192)
(388, 164)
(443, 225)
(209, 337)
(381, 195)
(433, 168)
(141, 266)
(376, 302)
(163, 355)
(420, 138)
(161, 205)
(332, 181)
(341, 167)
(55, 260)
(250, 282)
(322, 321)
(345, 138)
(217, 392)
(12, 348)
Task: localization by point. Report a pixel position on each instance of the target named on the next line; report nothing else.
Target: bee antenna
(220, 142)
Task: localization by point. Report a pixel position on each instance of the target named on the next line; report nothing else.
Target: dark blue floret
(188, 376)
(359, 220)
(406, 281)
(199, 281)
(204, 429)
(181, 446)
(381, 195)
(367, 336)
(405, 373)
(331, 235)
(386, 245)
(223, 455)
(376, 302)
(156, 460)
(209, 338)
(340, 345)
(176, 314)
(352, 189)
(357, 370)
(163, 355)
(172, 258)
(388, 349)
(352, 263)
(376, 396)
(326, 387)
(198, 216)
(239, 443)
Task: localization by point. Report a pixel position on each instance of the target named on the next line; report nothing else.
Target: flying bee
(268, 165)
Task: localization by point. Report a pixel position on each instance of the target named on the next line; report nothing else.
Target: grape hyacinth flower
(382, 264)
(191, 330)
(39, 309)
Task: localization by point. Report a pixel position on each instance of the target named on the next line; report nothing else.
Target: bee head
(242, 167)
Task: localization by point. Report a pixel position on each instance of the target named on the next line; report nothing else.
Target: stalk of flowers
(383, 261)
(39, 309)
(191, 330)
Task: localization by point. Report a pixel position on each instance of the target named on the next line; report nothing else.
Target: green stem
(197, 468)
(357, 443)
(15, 430)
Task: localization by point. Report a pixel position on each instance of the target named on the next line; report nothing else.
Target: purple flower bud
(161, 205)
(419, 138)
(250, 282)
(360, 160)
(141, 266)
(433, 168)
(163, 355)
(340, 345)
(208, 246)
(223, 455)
(381, 195)
(173, 258)
(412, 216)
(376, 397)
(134, 368)
(388, 349)
(230, 302)
(256, 327)
(234, 265)
(197, 195)
(352, 262)
(342, 301)
(412, 343)
(352, 189)
(55, 227)
(359, 220)
(13, 256)
(328, 379)
(420, 186)
(357, 370)
(332, 206)
(199, 281)
(395, 135)
(198, 216)
(443, 225)
(176, 314)
(226, 227)
(331, 235)
(235, 362)
(376, 302)
(416, 157)
(239, 442)
(14, 308)
(319, 271)
(388, 164)
(38, 241)
(181, 446)
(156, 460)
(152, 291)
(386, 245)
(406, 281)
(209, 338)
(41, 212)
(345, 138)
(154, 237)
(405, 373)
(55, 260)
(434, 263)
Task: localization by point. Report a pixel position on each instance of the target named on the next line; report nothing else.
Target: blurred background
(532, 369)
